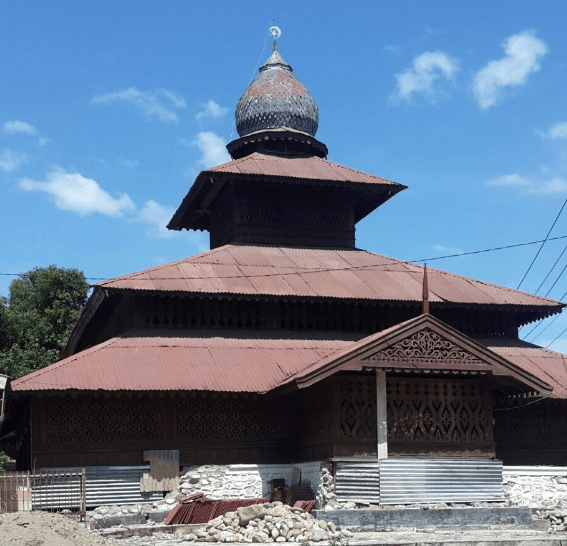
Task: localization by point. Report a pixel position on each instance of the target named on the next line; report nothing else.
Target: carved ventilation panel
(358, 408)
(101, 420)
(261, 418)
(527, 423)
(426, 346)
(316, 403)
(294, 213)
(438, 412)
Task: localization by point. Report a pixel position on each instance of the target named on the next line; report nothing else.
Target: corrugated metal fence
(403, 481)
(112, 484)
(73, 489)
(59, 490)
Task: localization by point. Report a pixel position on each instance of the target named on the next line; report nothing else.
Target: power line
(552, 268)
(394, 261)
(549, 344)
(543, 243)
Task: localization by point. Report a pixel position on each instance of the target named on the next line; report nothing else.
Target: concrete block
(449, 518)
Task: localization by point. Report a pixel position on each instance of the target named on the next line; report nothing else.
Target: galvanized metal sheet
(440, 480)
(358, 482)
(104, 485)
(409, 480)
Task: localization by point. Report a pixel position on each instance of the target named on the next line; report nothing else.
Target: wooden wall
(531, 431)
(334, 418)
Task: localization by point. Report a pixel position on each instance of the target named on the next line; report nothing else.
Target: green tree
(38, 316)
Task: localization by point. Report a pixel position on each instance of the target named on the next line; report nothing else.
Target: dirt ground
(44, 529)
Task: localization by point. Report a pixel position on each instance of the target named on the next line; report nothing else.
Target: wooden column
(381, 420)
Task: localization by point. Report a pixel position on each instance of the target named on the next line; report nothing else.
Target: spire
(276, 114)
(425, 293)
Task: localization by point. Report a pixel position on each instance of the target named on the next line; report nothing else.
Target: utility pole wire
(543, 243)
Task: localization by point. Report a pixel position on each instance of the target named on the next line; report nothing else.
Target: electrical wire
(543, 243)
(372, 266)
(549, 344)
(552, 268)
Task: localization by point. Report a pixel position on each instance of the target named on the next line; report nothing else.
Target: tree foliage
(38, 316)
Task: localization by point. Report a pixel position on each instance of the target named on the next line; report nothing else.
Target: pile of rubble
(557, 519)
(268, 522)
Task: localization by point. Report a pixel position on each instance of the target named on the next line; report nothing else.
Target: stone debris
(557, 519)
(269, 522)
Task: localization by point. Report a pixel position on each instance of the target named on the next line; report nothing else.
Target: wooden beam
(381, 413)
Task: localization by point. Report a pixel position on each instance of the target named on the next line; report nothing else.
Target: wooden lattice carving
(101, 420)
(426, 346)
(523, 423)
(358, 407)
(438, 412)
(262, 418)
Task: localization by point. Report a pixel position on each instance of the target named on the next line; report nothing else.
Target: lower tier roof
(228, 361)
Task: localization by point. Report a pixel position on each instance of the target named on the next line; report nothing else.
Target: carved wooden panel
(229, 419)
(254, 210)
(426, 346)
(440, 411)
(517, 423)
(101, 420)
(316, 403)
(358, 407)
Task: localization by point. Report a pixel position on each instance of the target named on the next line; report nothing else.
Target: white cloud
(449, 250)
(17, 126)
(523, 53)
(23, 128)
(392, 49)
(76, 193)
(549, 186)
(157, 216)
(152, 104)
(11, 160)
(557, 131)
(426, 75)
(129, 163)
(211, 110)
(212, 147)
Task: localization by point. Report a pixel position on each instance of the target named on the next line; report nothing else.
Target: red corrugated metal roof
(231, 361)
(161, 360)
(313, 168)
(316, 273)
(356, 356)
(549, 366)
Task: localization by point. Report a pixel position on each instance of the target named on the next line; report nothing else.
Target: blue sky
(108, 111)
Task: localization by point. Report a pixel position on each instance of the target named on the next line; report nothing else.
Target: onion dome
(276, 99)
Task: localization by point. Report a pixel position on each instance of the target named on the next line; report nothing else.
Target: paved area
(398, 538)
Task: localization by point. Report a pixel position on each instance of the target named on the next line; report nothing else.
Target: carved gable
(425, 346)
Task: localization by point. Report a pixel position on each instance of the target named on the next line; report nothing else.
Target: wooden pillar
(381, 412)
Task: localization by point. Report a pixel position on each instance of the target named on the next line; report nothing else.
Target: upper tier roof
(317, 273)
(370, 191)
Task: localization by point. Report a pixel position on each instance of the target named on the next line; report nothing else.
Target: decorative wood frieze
(426, 346)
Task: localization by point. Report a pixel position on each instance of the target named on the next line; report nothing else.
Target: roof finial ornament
(425, 293)
(276, 32)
